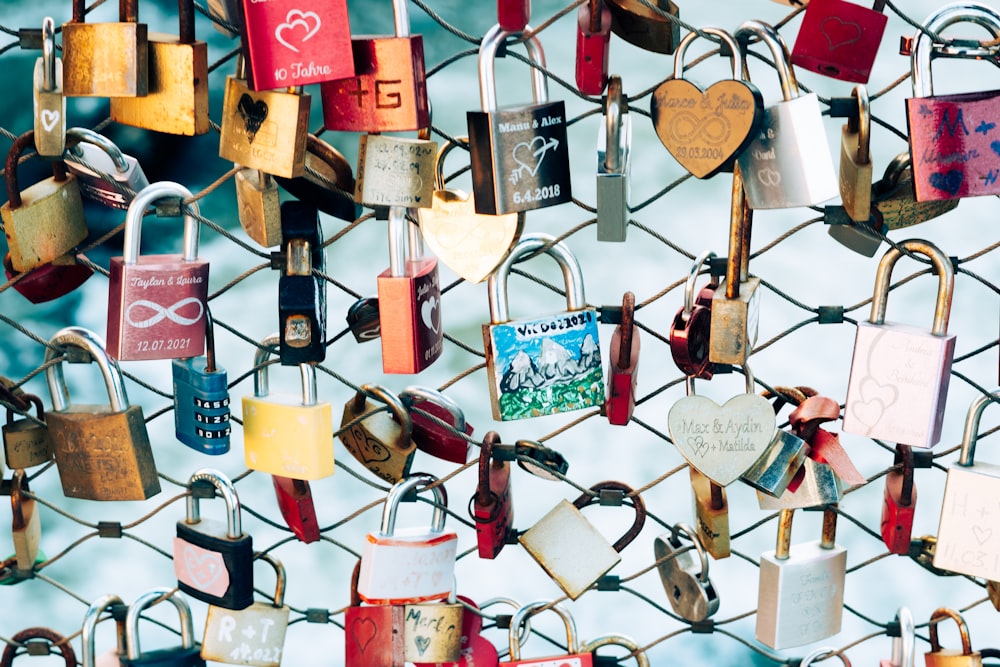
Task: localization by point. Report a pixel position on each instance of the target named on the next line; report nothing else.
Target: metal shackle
(689, 284)
(779, 51)
(939, 615)
(689, 532)
(222, 484)
(784, 543)
(747, 374)
(146, 600)
(923, 50)
(18, 485)
(404, 486)
(946, 282)
(89, 630)
(614, 639)
(863, 125)
(76, 135)
(525, 628)
(413, 394)
(528, 245)
(492, 40)
(526, 612)
(128, 11)
(48, 54)
(21, 144)
(260, 380)
(403, 246)
(449, 145)
(971, 432)
(615, 108)
(149, 195)
(84, 339)
(893, 173)
(904, 647)
(735, 54)
(401, 17)
(821, 654)
(279, 574)
(396, 406)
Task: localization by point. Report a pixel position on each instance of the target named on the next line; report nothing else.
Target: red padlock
(513, 15)
(689, 332)
(49, 281)
(840, 39)
(296, 504)
(431, 437)
(899, 502)
(373, 633)
(492, 509)
(593, 39)
(623, 365)
(288, 46)
(388, 92)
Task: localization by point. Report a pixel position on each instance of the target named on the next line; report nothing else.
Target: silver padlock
(900, 373)
(395, 171)
(89, 632)
(574, 657)
(105, 173)
(800, 594)
(820, 486)
(789, 163)
(614, 165)
(904, 646)
(187, 653)
(781, 461)
(966, 542)
(822, 654)
(688, 588)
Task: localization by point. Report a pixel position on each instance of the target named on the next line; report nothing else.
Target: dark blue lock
(301, 293)
(201, 399)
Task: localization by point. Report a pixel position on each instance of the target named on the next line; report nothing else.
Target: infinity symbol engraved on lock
(169, 313)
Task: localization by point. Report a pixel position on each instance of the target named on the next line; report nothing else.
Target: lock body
(649, 30)
(297, 508)
(301, 292)
(26, 443)
(105, 59)
(46, 221)
(711, 513)
(378, 442)
(49, 281)
(201, 405)
(855, 178)
(395, 171)
(779, 463)
(410, 317)
(733, 328)
(613, 179)
(895, 203)
(593, 41)
(493, 509)
(691, 594)
(257, 200)
(283, 437)
(819, 485)
(50, 109)
(254, 636)
(105, 174)
(212, 566)
(432, 632)
(896, 525)
(621, 386)
(373, 635)
(839, 39)
(965, 544)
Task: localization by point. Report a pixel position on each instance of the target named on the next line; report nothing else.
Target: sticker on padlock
(904, 646)
(106, 174)
(30, 636)
(642, 26)
(105, 59)
(574, 656)
(689, 590)
(492, 508)
(201, 399)
(383, 444)
(26, 442)
(593, 41)
(185, 655)
(301, 288)
(393, 171)
(623, 363)
(49, 101)
(446, 441)
(692, 325)
(840, 39)
(899, 501)
(614, 165)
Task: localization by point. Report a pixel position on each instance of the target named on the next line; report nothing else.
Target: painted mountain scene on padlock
(547, 365)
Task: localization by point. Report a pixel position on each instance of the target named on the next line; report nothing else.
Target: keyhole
(677, 592)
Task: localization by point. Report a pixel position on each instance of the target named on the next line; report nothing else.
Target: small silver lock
(688, 588)
(104, 172)
(904, 646)
(614, 165)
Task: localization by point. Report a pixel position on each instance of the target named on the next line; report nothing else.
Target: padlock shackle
(398, 408)
(904, 458)
(185, 21)
(893, 174)
(614, 639)
(75, 135)
(439, 183)
(748, 379)
(485, 496)
(413, 394)
(56, 641)
(18, 485)
(90, 620)
(26, 140)
(148, 599)
(904, 647)
(398, 228)
(526, 247)
(692, 278)
(740, 227)
(924, 50)
(784, 543)
(971, 432)
(85, 340)
(128, 11)
(33, 400)
(946, 282)
(522, 616)
(210, 366)
(823, 653)
(137, 208)
(225, 488)
(260, 376)
(779, 52)
(940, 614)
(526, 627)
(401, 17)
(615, 108)
(638, 505)
(862, 125)
(48, 54)
(404, 486)
(692, 534)
(736, 54)
(627, 329)
(280, 576)
(487, 70)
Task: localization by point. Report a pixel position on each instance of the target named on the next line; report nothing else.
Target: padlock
(373, 633)
(542, 365)
(409, 301)
(254, 636)
(388, 92)
(800, 597)
(615, 639)
(900, 373)
(520, 157)
(735, 309)
(327, 183)
(105, 59)
(540, 461)
(722, 442)
(26, 527)
(950, 657)
(899, 500)
(447, 441)
(950, 145)
(395, 171)
(105, 174)
(492, 507)
(903, 646)
(894, 203)
(470, 244)
(26, 442)
(301, 288)
(288, 45)
(25, 639)
(409, 566)
(966, 543)
(711, 512)
(185, 655)
(593, 41)
(840, 39)
(689, 590)
(819, 486)
(284, 434)
(432, 631)
(213, 560)
(855, 159)
(822, 654)
(297, 508)
(102, 451)
(623, 365)
(788, 163)
(227, 16)
(117, 611)
(363, 319)
(176, 101)
(692, 325)
(513, 15)
(46, 219)
(642, 26)
(201, 399)
(864, 237)
(156, 302)
(49, 102)
(264, 129)
(475, 650)
(259, 207)
(614, 165)
(574, 656)
(570, 549)
(783, 457)
(378, 441)
(48, 281)
(706, 129)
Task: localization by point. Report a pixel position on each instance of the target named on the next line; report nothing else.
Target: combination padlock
(201, 399)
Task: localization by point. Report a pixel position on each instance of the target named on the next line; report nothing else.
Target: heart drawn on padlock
(422, 644)
(839, 32)
(295, 21)
(529, 156)
(949, 181)
(50, 118)
(476, 650)
(430, 313)
(705, 130)
(873, 390)
(371, 451)
(253, 112)
(200, 568)
(363, 631)
(721, 442)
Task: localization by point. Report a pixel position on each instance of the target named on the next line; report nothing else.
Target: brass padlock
(614, 639)
(26, 528)
(432, 631)
(259, 206)
(895, 204)
(711, 511)
(177, 97)
(950, 657)
(49, 101)
(638, 24)
(26, 442)
(105, 59)
(378, 441)
(856, 161)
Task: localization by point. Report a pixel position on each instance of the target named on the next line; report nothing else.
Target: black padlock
(362, 318)
(301, 293)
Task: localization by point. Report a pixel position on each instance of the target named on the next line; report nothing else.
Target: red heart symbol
(363, 631)
(839, 32)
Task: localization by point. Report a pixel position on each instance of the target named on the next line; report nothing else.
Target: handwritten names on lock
(394, 171)
(429, 630)
(254, 636)
(410, 566)
(969, 536)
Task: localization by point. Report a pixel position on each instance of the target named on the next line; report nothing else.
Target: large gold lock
(378, 441)
(105, 59)
(177, 99)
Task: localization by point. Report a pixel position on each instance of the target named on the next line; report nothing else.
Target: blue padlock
(201, 399)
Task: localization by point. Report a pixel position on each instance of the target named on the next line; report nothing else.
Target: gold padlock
(711, 511)
(48, 98)
(856, 161)
(105, 59)
(26, 528)
(177, 97)
(950, 657)
(378, 441)
(259, 206)
(26, 442)
(432, 631)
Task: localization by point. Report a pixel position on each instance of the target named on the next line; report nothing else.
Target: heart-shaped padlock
(687, 585)
(692, 325)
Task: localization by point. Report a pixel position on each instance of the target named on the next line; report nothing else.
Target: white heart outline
(293, 19)
(50, 114)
